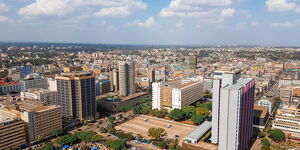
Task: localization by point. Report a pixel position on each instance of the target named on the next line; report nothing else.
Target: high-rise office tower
(192, 62)
(24, 71)
(126, 78)
(233, 100)
(114, 80)
(77, 95)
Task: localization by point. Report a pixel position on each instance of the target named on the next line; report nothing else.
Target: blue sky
(275, 22)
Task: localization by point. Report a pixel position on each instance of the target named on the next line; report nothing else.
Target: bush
(276, 135)
(177, 114)
(58, 132)
(265, 142)
(189, 111)
(67, 139)
(157, 133)
(103, 130)
(261, 135)
(198, 119)
(115, 144)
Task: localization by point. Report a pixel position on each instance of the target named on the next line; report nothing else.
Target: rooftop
(260, 111)
(239, 84)
(75, 74)
(200, 131)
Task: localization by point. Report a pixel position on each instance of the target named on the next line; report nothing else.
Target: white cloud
(150, 22)
(110, 8)
(229, 12)
(3, 7)
(46, 8)
(4, 19)
(283, 24)
(111, 28)
(179, 24)
(205, 11)
(282, 5)
(113, 12)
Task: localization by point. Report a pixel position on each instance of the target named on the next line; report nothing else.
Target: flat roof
(239, 84)
(260, 111)
(133, 96)
(200, 131)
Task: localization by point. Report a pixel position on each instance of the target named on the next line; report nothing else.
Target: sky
(179, 22)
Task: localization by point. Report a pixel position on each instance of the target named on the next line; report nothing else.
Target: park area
(141, 124)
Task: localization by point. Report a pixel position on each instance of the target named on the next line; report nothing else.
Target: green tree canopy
(115, 144)
(265, 142)
(157, 133)
(198, 119)
(67, 139)
(177, 114)
(207, 105)
(189, 111)
(58, 132)
(276, 135)
(48, 146)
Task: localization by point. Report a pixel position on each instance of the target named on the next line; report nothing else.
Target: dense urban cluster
(81, 97)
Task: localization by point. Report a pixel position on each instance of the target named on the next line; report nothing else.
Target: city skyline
(189, 22)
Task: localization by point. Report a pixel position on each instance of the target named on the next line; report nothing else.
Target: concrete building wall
(12, 134)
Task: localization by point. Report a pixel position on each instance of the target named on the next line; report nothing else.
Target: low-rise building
(287, 119)
(8, 87)
(45, 96)
(266, 102)
(261, 117)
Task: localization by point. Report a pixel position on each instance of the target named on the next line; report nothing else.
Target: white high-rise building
(221, 79)
(156, 95)
(232, 116)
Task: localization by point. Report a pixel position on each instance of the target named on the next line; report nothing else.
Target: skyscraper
(77, 95)
(233, 100)
(126, 78)
(24, 71)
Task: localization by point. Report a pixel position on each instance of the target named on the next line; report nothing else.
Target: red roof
(8, 83)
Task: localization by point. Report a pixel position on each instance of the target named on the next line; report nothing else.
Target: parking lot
(138, 125)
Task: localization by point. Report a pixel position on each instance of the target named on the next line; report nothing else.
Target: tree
(85, 136)
(261, 135)
(58, 132)
(276, 135)
(161, 143)
(203, 111)
(157, 133)
(67, 139)
(96, 138)
(115, 144)
(157, 113)
(198, 119)
(207, 105)
(48, 146)
(189, 111)
(177, 114)
(265, 142)
(103, 130)
(175, 145)
(120, 116)
(112, 119)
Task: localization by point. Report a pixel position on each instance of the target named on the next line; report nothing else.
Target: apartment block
(12, 134)
(45, 96)
(40, 120)
(176, 93)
